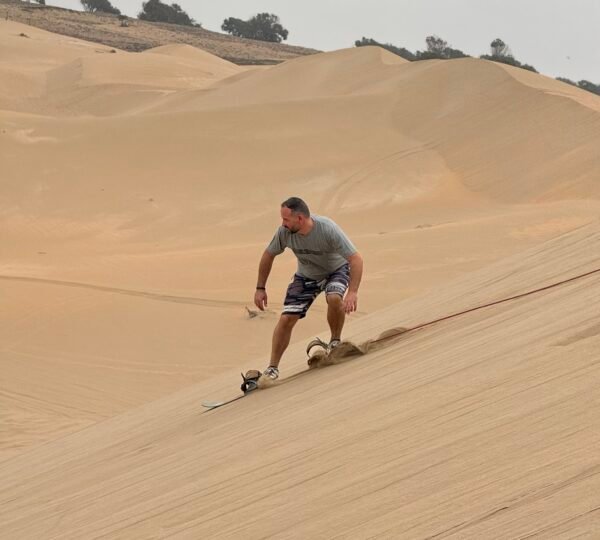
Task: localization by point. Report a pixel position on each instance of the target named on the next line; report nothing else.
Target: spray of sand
(348, 350)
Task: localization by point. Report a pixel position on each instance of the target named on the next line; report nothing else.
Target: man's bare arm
(264, 268)
(356, 271)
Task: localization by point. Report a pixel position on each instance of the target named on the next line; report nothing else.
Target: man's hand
(260, 299)
(350, 302)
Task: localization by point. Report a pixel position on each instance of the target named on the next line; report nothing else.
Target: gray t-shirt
(320, 253)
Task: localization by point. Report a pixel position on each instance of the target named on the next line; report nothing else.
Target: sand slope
(478, 427)
(28, 53)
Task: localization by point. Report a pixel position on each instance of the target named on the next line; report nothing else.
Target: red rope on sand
(423, 325)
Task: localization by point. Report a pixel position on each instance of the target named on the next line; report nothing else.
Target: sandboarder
(327, 261)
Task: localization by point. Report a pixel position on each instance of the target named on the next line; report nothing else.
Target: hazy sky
(558, 37)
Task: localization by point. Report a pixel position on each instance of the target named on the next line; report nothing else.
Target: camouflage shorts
(302, 291)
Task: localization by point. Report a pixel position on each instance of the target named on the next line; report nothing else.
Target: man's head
(294, 214)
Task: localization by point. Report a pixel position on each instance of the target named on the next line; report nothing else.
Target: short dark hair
(297, 206)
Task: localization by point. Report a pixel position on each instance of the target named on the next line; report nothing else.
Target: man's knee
(288, 320)
(334, 299)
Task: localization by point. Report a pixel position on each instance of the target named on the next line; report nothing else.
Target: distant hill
(142, 35)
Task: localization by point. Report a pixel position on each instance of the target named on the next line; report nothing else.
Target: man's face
(292, 222)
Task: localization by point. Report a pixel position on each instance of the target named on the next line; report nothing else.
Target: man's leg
(281, 337)
(335, 315)
(335, 289)
(299, 297)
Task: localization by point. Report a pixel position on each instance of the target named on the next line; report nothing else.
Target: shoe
(271, 372)
(333, 344)
(315, 343)
(250, 380)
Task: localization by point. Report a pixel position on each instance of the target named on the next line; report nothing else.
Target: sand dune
(552, 86)
(125, 82)
(187, 52)
(61, 75)
(27, 55)
(155, 70)
(465, 97)
(339, 73)
(138, 193)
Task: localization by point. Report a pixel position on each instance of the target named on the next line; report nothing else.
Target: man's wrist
(261, 288)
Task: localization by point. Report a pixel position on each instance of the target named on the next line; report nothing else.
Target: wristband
(261, 288)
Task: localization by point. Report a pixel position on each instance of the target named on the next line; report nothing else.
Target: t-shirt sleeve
(340, 243)
(277, 245)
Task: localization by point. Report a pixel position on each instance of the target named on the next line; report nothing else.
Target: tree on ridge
(501, 53)
(262, 27)
(400, 51)
(156, 11)
(438, 48)
(103, 6)
(499, 48)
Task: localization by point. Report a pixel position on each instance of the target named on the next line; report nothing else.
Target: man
(327, 261)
